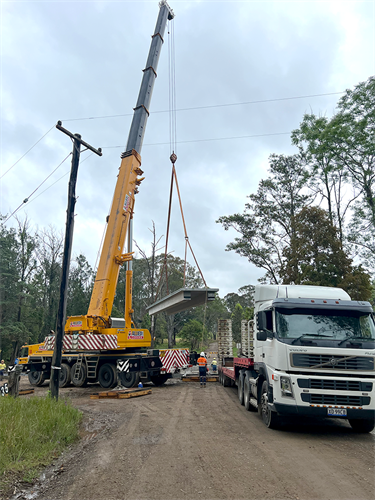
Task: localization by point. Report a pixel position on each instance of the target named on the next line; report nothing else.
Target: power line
(210, 106)
(14, 164)
(59, 179)
(206, 140)
(27, 199)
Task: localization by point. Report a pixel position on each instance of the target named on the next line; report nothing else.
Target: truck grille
(335, 400)
(329, 362)
(335, 385)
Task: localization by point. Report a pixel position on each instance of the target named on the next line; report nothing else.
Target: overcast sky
(68, 60)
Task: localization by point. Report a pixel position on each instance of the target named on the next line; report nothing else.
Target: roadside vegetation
(33, 432)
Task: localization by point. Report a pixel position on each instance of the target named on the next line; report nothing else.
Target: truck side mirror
(262, 335)
(261, 321)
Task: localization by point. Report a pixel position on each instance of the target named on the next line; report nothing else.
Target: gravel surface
(186, 442)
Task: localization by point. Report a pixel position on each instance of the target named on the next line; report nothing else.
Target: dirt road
(187, 442)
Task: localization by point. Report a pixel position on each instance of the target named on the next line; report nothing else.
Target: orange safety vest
(202, 361)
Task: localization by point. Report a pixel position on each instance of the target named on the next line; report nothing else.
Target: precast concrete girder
(182, 299)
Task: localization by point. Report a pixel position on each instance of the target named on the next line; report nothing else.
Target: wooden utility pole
(61, 315)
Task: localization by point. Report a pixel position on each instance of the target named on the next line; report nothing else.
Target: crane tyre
(107, 376)
(129, 379)
(362, 425)
(81, 380)
(65, 375)
(159, 379)
(36, 378)
(270, 418)
(240, 387)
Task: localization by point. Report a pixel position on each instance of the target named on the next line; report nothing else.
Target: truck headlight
(286, 387)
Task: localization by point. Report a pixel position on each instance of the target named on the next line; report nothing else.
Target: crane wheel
(107, 376)
(159, 379)
(36, 378)
(129, 379)
(79, 379)
(65, 375)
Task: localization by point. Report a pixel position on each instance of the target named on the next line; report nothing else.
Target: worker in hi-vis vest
(202, 363)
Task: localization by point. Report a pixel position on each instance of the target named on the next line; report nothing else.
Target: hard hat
(202, 353)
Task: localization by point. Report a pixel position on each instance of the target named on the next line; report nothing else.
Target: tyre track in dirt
(185, 442)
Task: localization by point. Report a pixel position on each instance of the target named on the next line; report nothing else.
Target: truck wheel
(36, 378)
(240, 388)
(269, 417)
(64, 379)
(81, 379)
(159, 379)
(362, 425)
(246, 394)
(129, 379)
(107, 376)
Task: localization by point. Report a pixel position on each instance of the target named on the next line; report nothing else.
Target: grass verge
(33, 431)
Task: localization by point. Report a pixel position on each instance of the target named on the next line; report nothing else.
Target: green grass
(33, 431)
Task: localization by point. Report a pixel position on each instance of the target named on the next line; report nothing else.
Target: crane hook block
(173, 158)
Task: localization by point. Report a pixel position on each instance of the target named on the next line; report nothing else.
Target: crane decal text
(135, 335)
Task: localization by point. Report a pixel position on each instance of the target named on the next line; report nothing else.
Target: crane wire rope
(173, 158)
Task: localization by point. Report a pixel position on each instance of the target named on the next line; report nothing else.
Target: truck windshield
(298, 323)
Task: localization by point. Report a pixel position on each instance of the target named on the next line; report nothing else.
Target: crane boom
(98, 317)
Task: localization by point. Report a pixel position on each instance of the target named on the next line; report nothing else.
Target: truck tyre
(129, 379)
(81, 380)
(64, 379)
(247, 393)
(107, 376)
(269, 417)
(159, 379)
(36, 378)
(362, 425)
(240, 387)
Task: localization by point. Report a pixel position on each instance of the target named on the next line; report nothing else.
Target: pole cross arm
(77, 137)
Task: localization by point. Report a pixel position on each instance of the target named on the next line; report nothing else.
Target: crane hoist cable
(173, 159)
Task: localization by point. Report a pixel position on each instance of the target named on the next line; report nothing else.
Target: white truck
(313, 355)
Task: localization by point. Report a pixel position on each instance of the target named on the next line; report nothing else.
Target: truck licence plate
(336, 412)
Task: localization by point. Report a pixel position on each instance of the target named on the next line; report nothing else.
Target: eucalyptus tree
(266, 226)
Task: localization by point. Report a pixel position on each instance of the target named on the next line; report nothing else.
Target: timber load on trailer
(96, 346)
(309, 352)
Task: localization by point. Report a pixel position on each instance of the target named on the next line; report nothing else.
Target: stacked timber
(247, 336)
(224, 338)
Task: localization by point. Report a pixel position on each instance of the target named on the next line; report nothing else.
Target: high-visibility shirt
(2, 366)
(202, 361)
(214, 362)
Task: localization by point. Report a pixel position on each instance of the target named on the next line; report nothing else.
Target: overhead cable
(206, 140)
(30, 195)
(210, 106)
(14, 164)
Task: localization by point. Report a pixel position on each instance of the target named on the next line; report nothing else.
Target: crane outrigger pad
(182, 299)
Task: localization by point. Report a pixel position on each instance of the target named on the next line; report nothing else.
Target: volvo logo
(333, 361)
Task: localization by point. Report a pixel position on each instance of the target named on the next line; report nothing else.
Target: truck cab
(314, 352)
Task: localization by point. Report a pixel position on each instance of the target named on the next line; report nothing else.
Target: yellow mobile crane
(96, 346)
